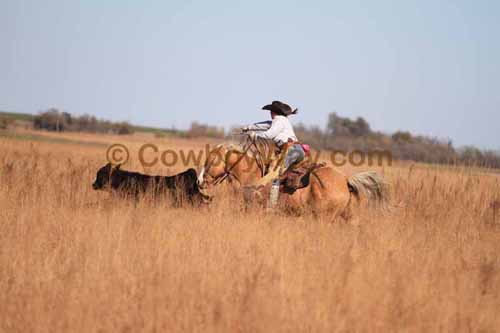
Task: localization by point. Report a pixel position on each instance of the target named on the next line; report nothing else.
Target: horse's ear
(117, 167)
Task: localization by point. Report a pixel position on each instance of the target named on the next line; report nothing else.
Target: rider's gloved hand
(245, 129)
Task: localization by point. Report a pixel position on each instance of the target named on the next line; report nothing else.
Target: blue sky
(431, 67)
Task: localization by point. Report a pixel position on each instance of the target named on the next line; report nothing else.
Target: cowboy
(279, 130)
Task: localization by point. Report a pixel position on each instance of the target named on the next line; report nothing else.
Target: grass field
(73, 259)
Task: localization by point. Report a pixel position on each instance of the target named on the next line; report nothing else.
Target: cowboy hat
(280, 108)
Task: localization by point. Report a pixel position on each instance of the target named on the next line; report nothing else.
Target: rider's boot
(274, 194)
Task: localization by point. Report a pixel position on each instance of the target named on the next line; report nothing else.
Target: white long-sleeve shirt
(279, 130)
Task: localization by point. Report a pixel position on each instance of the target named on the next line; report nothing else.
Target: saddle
(299, 176)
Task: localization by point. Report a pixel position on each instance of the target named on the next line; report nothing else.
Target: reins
(228, 171)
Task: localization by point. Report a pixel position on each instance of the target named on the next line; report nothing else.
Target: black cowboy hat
(280, 108)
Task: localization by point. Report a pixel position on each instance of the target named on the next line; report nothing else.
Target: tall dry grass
(72, 259)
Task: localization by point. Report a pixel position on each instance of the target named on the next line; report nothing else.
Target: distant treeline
(202, 130)
(340, 133)
(9, 118)
(58, 121)
(5, 122)
(349, 135)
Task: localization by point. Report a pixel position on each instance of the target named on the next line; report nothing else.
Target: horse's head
(232, 162)
(214, 167)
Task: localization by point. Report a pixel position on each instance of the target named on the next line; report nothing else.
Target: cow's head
(103, 177)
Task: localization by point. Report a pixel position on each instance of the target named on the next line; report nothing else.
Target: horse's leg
(346, 214)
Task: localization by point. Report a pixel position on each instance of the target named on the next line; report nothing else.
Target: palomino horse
(329, 191)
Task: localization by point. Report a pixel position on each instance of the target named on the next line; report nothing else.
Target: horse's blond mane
(262, 150)
(235, 147)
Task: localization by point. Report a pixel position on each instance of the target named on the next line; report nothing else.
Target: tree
(402, 137)
(340, 126)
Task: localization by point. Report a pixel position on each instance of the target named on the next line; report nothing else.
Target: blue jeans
(295, 154)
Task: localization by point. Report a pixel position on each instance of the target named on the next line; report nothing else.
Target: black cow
(181, 187)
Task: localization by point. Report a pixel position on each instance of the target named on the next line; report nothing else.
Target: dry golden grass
(72, 259)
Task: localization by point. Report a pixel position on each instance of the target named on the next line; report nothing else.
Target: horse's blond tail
(369, 185)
